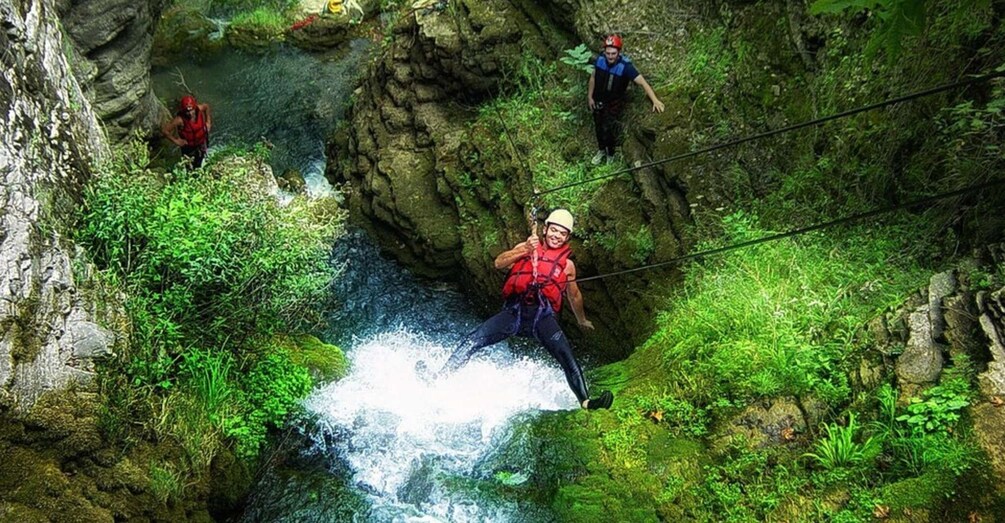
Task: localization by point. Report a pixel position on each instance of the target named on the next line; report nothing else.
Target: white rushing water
(399, 434)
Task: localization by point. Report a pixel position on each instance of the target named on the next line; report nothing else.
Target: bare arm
(589, 90)
(576, 297)
(506, 259)
(169, 131)
(657, 104)
(209, 116)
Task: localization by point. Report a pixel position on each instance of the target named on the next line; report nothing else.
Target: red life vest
(193, 131)
(551, 277)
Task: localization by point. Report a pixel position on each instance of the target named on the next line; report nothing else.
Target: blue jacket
(611, 81)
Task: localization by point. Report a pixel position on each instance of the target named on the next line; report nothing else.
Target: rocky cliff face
(409, 122)
(418, 180)
(111, 42)
(51, 331)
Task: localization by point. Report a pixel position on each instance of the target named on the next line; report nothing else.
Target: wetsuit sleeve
(630, 71)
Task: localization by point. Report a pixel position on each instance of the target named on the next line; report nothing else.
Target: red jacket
(551, 277)
(194, 131)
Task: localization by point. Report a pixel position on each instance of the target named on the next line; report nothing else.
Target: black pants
(517, 319)
(196, 152)
(607, 124)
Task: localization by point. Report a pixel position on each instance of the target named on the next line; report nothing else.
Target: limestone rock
(940, 286)
(921, 361)
(49, 328)
(116, 36)
(89, 340)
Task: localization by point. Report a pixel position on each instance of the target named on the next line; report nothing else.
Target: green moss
(326, 362)
(927, 491)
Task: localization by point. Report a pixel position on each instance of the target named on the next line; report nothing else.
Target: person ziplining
(540, 274)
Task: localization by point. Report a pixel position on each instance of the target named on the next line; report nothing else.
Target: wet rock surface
(114, 38)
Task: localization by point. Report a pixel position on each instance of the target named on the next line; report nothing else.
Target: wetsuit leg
(554, 340)
(607, 123)
(598, 129)
(492, 331)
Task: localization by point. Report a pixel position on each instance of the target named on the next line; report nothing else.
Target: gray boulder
(921, 362)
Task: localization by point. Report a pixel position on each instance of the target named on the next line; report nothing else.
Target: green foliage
(272, 389)
(939, 408)
(746, 484)
(707, 63)
(212, 266)
(579, 58)
(208, 376)
(840, 448)
(778, 318)
(166, 483)
(680, 416)
(205, 257)
(899, 20)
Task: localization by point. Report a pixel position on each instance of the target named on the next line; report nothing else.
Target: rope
(800, 231)
(789, 234)
(781, 130)
(532, 205)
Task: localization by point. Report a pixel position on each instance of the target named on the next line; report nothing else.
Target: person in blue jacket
(612, 73)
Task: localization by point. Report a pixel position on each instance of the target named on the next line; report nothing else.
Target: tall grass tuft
(839, 449)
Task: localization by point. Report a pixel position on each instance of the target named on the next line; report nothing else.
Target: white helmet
(562, 218)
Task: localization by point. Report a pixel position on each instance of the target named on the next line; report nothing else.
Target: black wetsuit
(610, 86)
(531, 321)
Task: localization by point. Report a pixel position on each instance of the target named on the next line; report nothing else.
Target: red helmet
(188, 102)
(613, 41)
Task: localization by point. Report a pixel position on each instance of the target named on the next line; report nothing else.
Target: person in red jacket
(540, 274)
(189, 129)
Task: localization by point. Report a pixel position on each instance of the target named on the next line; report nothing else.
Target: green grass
(262, 20)
(214, 269)
(777, 319)
(843, 447)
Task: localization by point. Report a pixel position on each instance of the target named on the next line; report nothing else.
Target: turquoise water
(288, 97)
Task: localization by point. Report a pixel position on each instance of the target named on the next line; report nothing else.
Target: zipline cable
(781, 130)
(788, 234)
(799, 231)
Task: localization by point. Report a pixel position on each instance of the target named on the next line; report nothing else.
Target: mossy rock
(326, 362)
(185, 33)
(573, 468)
(254, 38)
(319, 32)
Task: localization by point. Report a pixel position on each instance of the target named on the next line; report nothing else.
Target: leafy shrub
(939, 408)
(213, 266)
(208, 258)
(839, 449)
(579, 58)
(272, 389)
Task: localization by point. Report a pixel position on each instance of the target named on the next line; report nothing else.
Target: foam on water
(392, 423)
